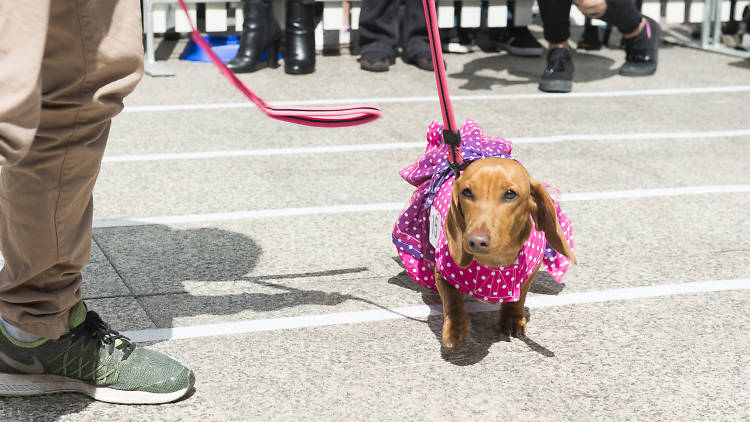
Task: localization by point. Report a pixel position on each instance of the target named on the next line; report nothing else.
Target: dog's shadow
(484, 331)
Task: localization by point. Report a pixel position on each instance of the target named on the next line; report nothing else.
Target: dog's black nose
(479, 242)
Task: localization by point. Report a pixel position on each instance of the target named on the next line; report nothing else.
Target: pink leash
(308, 116)
(450, 134)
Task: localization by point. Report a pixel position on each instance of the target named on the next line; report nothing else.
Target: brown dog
(492, 207)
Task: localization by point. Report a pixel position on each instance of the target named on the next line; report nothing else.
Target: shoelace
(94, 326)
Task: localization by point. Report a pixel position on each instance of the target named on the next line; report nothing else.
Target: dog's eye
(510, 195)
(466, 193)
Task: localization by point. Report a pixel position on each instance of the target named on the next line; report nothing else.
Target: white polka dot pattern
(419, 258)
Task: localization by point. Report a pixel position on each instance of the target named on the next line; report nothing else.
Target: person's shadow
(177, 273)
(484, 73)
(204, 271)
(484, 331)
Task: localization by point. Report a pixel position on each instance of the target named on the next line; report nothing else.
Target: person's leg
(378, 33)
(640, 33)
(45, 199)
(555, 19)
(623, 15)
(452, 40)
(22, 34)
(416, 39)
(590, 37)
(518, 40)
(299, 54)
(558, 74)
(260, 33)
(345, 33)
(92, 57)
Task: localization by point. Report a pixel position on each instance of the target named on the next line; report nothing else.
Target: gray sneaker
(642, 51)
(94, 360)
(558, 75)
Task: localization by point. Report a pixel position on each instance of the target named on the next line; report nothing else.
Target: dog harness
(419, 234)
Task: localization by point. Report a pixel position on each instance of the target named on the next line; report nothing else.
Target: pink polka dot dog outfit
(419, 233)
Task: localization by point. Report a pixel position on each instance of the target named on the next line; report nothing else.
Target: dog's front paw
(512, 324)
(455, 332)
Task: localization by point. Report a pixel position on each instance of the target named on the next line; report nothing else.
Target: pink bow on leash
(308, 116)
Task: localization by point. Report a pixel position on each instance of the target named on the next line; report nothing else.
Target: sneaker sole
(556, 86)
(629, 69)
(12, 385)
(456, 48)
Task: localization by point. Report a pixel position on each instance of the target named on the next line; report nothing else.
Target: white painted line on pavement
(246, 215)
(408, 145)
(422, 311)
(397, 206)
(264, 152)
(432, 98)
(651, 193)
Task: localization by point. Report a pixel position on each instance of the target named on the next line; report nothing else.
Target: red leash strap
(450, 133)
(308, 116)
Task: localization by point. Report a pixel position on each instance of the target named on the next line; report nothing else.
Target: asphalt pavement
(259, 252)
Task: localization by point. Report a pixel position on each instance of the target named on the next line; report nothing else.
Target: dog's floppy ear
(455, 226)
(545, 219)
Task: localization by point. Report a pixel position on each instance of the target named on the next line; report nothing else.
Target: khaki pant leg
(93, 58)
(23, 31)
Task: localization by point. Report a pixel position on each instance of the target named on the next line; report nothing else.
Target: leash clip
(451, 138)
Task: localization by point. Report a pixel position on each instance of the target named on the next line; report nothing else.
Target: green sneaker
(94, 360)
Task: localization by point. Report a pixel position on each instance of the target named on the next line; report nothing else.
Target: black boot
(299, 56)
(260, 32)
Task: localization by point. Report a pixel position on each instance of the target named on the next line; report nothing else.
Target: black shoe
(558, 76)
(422, 60)
(299, 53)
(642, 51)
(375, 61)
(260, 33)
(519, 41)
(590, 38)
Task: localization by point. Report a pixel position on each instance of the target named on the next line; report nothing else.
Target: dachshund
(495, 206)
(484, 233)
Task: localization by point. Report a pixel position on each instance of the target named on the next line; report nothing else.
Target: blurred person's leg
(558, 74)
(378, 34)
(483, 39)
(555, 19)
(517, 39)
(299, 52)
(260, 33)
(416, 39)
(66, 67)
(345, 34)
(640, 33)
(452, 42)
(590, 37)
